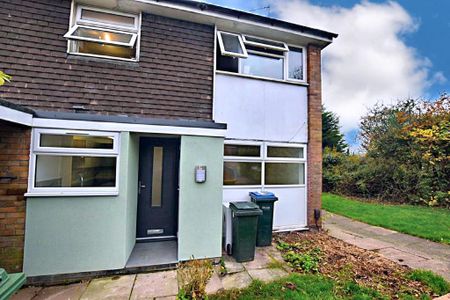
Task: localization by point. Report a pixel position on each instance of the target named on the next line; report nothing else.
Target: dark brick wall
(314, 132)
(14, 155)
(173, 78)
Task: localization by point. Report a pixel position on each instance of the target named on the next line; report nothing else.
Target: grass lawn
(426, 222)
(299, 286)
(310, 286)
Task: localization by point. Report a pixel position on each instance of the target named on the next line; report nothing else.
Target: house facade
(128, 124)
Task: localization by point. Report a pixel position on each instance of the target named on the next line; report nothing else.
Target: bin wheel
(228, 249)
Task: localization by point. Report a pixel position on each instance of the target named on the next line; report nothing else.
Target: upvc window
(74, 163)
(104, 33)
(259, 57)
(257, 164)
(231, 44)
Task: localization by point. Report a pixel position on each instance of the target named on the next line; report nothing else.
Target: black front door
(158, 189)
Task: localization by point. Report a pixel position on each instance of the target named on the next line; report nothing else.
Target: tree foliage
(331, 135)
(4, 78)
(407, 155)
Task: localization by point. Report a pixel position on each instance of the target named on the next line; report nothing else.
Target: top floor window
(104, 33)
(259, 57)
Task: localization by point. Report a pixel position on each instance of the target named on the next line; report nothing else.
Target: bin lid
(263, 196)
(245, 208)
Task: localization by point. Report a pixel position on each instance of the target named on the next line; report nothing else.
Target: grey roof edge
(17, 107)
(240, 14)
(128, 120)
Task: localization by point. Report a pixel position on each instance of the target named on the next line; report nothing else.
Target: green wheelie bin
(266, 202)
(244, 217)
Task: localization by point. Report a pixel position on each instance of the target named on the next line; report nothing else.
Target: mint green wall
(200, 204)
(132, 187)
(80, 234)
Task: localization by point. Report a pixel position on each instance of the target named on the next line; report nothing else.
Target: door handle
(141, 186)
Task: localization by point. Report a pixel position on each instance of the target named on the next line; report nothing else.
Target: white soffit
(223, 22)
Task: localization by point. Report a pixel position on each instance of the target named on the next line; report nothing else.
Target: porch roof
(19, 114)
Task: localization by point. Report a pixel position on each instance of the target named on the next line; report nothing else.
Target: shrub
(406, 159)
(193, 276)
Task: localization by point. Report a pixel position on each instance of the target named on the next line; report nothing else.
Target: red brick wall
(314, 132)
(14, 156)
(173, 79)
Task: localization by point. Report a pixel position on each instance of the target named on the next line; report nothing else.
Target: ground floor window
(264, 164)
(74, 162)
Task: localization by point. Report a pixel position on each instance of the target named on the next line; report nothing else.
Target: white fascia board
(15, 116)
(117, 127)
(229, 18)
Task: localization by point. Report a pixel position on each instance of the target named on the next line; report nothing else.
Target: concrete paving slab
(236, 281)
(262, 260)
(62, 292)
(166, 298)
(157, 284)
(214, 284)
(273, 252)
(232, 265)
(267, 275)
(370, 244)
(445, 297)
(26, 293)
(111, 288)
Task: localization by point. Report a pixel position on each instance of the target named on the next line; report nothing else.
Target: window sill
(70, 194)
(300, 83)
(103, 59)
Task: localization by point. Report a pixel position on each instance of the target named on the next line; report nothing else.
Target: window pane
(97, 16)
(231, 43)
(157, 176)
(284, 173)
(287, 152)
(106, 50)
(76, 141)
(242, 150)
(263, 41)
(75, 171)
(242, 173)
(103, 35)
(295, 63)
(264, 66)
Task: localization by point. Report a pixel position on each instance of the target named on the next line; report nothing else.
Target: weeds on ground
(223, 268)
(193, 276)
(436, 283)
(307, 260)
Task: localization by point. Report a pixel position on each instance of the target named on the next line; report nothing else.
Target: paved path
(405, 249)
(267, 266)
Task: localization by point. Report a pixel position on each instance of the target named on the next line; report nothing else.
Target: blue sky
(420, 57)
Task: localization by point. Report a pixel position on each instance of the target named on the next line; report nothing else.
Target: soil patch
(347, 263)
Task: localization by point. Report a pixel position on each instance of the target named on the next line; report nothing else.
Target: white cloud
(369, 62)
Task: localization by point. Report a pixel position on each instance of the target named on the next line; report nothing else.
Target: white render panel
(290, 209)
(264, 110)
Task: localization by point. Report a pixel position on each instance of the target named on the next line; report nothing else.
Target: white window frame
(264, 159)
(69, 35)
(286, 160)
(75, 20)
(232, 54)
(286, 67)
(107, 11)
(262, 45)
(36, 150)
(285, 57)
